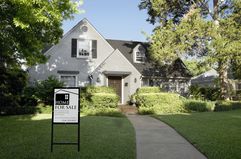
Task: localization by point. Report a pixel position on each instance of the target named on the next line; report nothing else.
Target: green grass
(28, 136)
(216, 134)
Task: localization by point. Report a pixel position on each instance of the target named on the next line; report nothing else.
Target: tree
(194, 28)
(26, 26)
(196, 67)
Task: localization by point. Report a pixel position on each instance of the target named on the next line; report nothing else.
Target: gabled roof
(148, 68)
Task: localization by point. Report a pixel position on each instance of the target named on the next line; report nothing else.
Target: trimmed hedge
(227, 105)
(98, 97)
(100, 100)
(156, 103)
(199, 105)
(149, 90)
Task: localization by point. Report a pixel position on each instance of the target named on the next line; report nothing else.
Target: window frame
(78, 46)
(142, 52)
(69, 75)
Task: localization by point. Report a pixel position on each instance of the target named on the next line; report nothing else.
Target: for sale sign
(66, 105)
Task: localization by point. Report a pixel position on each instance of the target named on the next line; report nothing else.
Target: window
(83, 48)
(140, 55)
(69, 81)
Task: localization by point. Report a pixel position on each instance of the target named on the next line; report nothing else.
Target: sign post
(66, 110)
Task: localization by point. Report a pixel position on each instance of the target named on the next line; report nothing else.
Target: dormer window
(139, 55)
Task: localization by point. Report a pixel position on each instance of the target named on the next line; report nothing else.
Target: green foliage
(149, 90)
(15, 97)
(159, 103)
(205, 93)
(99, 89)
(199, 105)
(33, 24)
(196, 67)
(100, 100)
(227, 105)
(188, 32)
(98, 97)
(44, 89)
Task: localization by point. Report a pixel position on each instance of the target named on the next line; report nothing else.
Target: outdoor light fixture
(98, 79)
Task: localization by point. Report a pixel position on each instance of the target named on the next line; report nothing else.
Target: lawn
(28, 136)
(216, 134)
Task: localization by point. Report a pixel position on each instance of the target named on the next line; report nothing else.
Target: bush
(204, 93)
(227, 105)
(199, 105)
(159, 103)
(100, 100)
(98, 97)
(149, 90)
(44, 89)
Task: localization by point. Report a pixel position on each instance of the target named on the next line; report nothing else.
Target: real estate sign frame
(66, 110)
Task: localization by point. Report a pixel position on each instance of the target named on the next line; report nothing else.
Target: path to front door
(116, 83)
(156, 140)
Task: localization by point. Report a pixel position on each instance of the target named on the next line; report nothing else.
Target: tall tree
(210, 29)
(26, 26)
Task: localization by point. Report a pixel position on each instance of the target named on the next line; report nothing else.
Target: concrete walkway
(156, 140)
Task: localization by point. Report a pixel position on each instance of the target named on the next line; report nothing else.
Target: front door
(115, 83)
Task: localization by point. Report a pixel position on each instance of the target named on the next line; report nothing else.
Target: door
(115, 83)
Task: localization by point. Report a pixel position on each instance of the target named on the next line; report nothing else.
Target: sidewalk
(156, 140)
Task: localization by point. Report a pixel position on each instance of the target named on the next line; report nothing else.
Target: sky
(114, 19)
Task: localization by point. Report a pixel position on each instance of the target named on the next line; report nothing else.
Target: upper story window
(139, 55)
(84, 48)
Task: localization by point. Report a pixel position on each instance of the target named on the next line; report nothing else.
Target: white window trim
(69, 75)
(90, 45)
(135, 58)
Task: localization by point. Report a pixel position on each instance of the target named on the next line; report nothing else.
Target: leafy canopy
(27, 26)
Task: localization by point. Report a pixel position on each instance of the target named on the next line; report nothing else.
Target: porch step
(127, 109)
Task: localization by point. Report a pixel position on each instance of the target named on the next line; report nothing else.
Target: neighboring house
(206, 79)
(83, 56)
(210, 79)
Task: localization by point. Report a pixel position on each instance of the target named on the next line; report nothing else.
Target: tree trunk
(223, 80)
(223, 65)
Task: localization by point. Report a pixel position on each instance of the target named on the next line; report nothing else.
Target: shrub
(208, 93)
(99, 89)
(149, 90)
(199, 105)
(227, 105)
(98, 97)
(108, 100)
(159, 103)
(44, 89)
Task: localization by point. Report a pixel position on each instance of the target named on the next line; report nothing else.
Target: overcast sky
(114, 19)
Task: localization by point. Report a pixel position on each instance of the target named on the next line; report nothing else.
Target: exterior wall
(60, 56)
(117, 62)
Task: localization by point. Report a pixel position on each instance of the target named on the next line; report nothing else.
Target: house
(83, 56)
(206, 79)
(210, 79)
